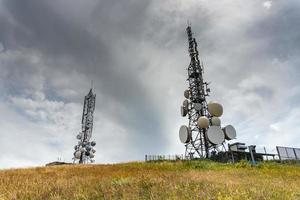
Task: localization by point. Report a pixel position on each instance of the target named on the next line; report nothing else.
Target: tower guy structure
(203, 136)
(84, 150)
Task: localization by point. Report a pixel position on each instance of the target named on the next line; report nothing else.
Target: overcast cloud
(136, 54)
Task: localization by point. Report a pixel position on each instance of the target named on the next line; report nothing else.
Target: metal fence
(288, 153)
(163, 157)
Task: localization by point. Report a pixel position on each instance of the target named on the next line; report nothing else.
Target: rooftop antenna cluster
(204, 135)
(84, 150)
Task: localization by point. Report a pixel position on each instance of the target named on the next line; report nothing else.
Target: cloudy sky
(136, 53)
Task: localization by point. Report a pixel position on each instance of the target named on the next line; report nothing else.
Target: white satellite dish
(229, 132)
(185, 103)
(197, 106)
(92, 155)
(215, 109)
(215, 135)
(183, 111)
(187, 94)
(203, 122)
(184, 134)
(215, 121)
(77, 154)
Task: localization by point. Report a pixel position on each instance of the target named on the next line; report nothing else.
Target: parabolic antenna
(93, 143)
(184, 134)
(203, 122)
(197, 106)
(215, 135)
(215, 121)
(215, 109)
(185, 103)
(88, 148)
(78, 136)
(183, 111)
(187, 94)
(229, 132)
(77, 154)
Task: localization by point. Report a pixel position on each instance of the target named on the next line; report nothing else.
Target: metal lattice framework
(84, 151)
(198, 90)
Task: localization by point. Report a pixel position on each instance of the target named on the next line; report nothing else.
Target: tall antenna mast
(203, 137)
(84, 151)
(197, 93)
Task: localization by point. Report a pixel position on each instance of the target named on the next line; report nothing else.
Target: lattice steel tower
(203, 137)
(84, 151)
(197, 105)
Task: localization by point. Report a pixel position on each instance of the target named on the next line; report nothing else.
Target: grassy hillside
(163, 180)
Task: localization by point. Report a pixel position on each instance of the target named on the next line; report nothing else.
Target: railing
(149, 158)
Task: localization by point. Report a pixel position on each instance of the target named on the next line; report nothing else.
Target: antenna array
(84, 150)
(203, 134)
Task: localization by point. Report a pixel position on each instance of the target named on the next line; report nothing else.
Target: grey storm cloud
(65, 45)
(136, 54)
(280, 30)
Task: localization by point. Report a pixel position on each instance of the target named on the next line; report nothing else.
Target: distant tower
(84, 151)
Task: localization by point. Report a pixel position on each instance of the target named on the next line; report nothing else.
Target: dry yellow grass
(163, 180)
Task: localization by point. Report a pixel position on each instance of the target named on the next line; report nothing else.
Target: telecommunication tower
(204, 134)
(197, 93)
(84, 150)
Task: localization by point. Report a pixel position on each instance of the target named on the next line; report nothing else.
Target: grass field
(161, 180)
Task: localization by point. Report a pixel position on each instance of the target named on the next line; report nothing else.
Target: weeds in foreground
(158, 180)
